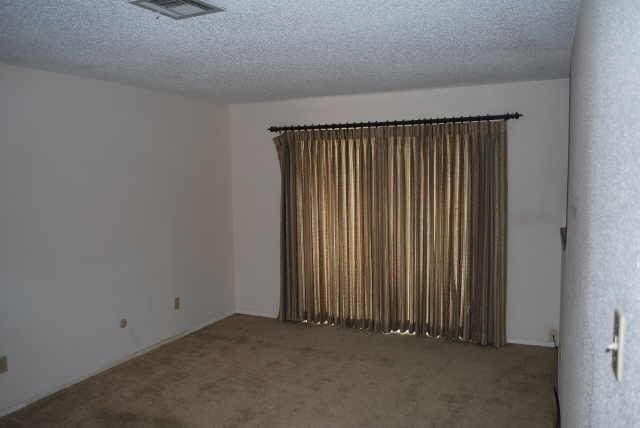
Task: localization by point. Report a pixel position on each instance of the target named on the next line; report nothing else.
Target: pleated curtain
(398, 228)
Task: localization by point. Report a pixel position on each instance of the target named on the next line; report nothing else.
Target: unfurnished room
(356, 213)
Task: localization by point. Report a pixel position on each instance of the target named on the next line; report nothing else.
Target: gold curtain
(396, 228)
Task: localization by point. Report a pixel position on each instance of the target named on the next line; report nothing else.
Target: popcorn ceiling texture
(262, 50)
(603, 242)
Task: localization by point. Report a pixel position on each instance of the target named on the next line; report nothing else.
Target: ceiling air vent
(178, 9)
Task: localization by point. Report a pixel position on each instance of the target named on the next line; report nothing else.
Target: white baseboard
(531, 343)
(257, 314)
(119, 361)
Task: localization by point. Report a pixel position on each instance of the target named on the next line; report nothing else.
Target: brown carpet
(258, 372)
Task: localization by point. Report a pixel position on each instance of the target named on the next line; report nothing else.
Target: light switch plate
(617, 346)
(3, 364)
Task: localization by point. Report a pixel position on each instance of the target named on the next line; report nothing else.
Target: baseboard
(124, 359)
(256, 314)
(530, 343)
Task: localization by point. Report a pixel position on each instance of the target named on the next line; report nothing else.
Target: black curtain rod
(505, 116)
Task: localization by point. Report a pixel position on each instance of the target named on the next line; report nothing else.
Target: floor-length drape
(396, 228)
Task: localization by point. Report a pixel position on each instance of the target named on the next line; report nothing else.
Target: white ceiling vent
(178, 9)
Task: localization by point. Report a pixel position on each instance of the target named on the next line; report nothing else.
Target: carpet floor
(258, 372)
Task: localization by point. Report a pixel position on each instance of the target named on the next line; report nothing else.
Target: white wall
(114, 201)
(117, 199)
(603, 244)
(537, 171)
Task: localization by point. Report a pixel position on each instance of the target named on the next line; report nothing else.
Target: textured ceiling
(261, 50)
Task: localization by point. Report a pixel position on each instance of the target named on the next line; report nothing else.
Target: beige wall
(115, 200)
(536, 201)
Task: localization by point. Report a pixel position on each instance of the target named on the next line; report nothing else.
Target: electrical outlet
(176, 303)
(3, 364)
(123, 323)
